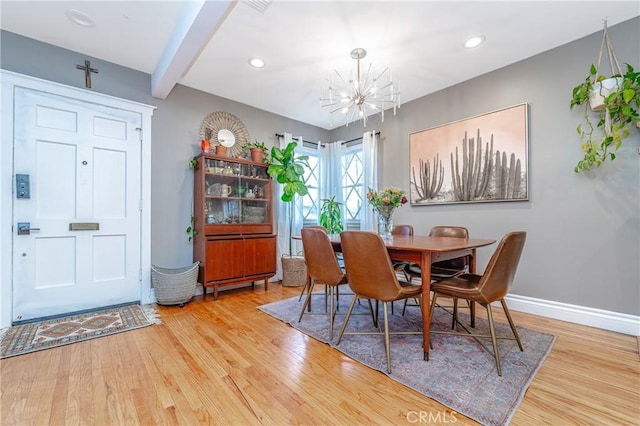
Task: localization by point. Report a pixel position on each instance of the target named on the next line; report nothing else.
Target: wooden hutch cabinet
(233, 218)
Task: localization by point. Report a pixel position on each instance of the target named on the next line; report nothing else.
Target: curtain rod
(343, 143)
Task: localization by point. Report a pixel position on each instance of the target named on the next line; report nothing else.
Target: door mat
(51, 333)
(460, 374)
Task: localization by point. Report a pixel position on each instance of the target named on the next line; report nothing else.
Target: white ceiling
(207, 47)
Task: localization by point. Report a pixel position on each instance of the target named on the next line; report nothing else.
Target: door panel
(84, 166)
(260, 255)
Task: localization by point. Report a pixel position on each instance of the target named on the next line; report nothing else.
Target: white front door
(83, 161)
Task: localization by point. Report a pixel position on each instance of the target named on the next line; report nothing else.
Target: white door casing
(87, 156)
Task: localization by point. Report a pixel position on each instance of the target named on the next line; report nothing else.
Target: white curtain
(370, 172)
(330, 173)
(282, 214)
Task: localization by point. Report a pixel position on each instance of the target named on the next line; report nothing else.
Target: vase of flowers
(384, 203)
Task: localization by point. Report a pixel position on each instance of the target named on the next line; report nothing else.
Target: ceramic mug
(225, 190)
(214, 190)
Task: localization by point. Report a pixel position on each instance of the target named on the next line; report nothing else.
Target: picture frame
(450, 164)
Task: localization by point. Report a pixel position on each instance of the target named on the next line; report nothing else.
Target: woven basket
(294, 271)
(174, 286)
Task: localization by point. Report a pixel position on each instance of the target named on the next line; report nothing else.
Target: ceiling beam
(196, 25)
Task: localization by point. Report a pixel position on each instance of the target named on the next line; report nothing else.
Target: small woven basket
(294, 271)
(174, 286)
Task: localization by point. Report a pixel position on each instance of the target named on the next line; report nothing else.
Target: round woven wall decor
(221, 121)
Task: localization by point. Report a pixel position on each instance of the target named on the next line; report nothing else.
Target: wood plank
(225, 362)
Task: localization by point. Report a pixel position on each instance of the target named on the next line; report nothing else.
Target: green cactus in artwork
(507, 178)
(472, 182)
(429, 183)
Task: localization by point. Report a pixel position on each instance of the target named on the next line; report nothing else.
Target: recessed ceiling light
(80, 18)
(256, 62)
(474, 42)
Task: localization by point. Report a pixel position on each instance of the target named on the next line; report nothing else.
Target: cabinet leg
(266, 284)
(215, 292)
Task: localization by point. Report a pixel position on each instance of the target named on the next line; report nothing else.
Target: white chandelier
(361, 95)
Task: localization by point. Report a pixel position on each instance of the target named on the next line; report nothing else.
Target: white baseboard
(607, 320)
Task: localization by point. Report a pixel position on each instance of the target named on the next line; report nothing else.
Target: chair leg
(332, 313)
(513, 327)
(472, 313)
(304, 287)
(307, 302)
(386, 336)
(433, 307)
(373, 316)
(455, 313)
(346, 319)
(494, 341)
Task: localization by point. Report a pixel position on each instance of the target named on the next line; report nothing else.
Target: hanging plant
(611, 107)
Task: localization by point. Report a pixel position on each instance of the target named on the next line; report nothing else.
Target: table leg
(425, 267)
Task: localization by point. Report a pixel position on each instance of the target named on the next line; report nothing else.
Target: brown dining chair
(445, 269)
(323, 268)
(371, 276)
(305, 288)
(489, 287)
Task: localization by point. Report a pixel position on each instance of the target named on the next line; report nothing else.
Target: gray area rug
(459, 374)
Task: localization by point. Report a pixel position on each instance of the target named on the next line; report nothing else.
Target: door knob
(24, 228)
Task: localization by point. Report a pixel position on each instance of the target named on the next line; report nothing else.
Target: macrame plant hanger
(599, 87)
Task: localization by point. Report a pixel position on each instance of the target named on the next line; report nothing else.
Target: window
(351, 184)
(311, 202)
(352, 181)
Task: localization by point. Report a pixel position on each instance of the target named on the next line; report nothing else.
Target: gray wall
(583, 244)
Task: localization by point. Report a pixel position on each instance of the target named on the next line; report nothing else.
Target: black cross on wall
(87, 73)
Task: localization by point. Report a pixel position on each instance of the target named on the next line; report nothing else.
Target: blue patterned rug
(50, 333)
(459, 374)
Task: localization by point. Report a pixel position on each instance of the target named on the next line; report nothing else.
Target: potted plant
(610, 105)
(330, 216)
(259, 151)
(288, 170)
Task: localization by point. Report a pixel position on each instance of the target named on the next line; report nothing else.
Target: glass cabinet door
(236, 193)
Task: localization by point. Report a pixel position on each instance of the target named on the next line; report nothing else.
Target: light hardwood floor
(227, 363)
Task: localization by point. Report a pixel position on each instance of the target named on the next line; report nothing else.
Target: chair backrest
(368, 266)
(501, 269)
(402, 230)
(320, 227)
(455, 232)
(322, 264)
(449, 231)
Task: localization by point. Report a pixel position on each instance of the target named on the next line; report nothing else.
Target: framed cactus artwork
(477, 159)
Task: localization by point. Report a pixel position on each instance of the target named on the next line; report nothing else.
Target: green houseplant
(610, 107)
(259, 151)
(604, 129)
(288, 170)
(330, 216)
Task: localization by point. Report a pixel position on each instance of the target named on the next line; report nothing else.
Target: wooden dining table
(423, 251)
